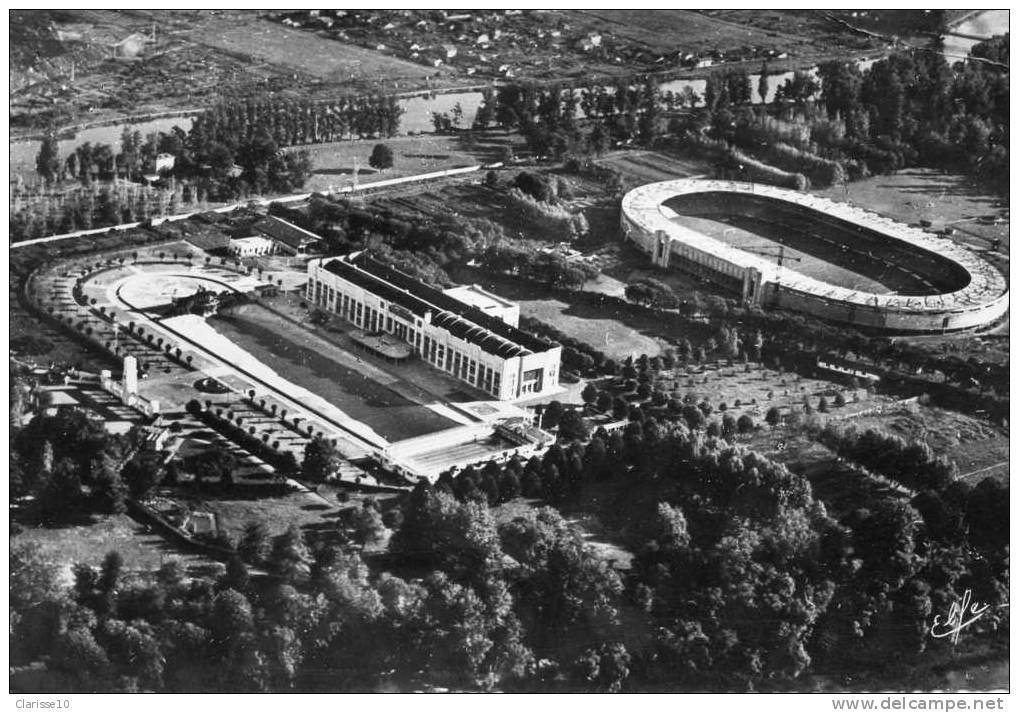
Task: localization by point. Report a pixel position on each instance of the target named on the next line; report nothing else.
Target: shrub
(745, 424)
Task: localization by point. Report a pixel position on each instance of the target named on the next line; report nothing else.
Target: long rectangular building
(458, 331)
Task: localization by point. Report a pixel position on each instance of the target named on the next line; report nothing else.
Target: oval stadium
(796, 251)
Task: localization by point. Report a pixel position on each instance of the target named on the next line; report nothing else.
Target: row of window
(461, 366)
(446, 358)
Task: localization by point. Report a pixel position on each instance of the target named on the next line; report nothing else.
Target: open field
(640, 167)
(333, 163)
(306, 510)
(707, 31)
(596, 326)
(142, 549)
(198, 57)
(243, 32)
(912, 195)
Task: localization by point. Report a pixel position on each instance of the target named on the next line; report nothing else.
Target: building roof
(461, 320)
(285, 232)
(478, 297)
(252, 240)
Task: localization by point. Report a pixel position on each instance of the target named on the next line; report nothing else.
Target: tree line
(233, 150)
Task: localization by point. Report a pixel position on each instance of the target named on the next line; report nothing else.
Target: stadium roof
(643, 206)
(461, 320)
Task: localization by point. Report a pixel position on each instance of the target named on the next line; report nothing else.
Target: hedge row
(819, 171)
(733, 163)
(283, 461)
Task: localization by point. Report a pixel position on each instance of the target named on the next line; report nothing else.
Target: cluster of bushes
(732, 163)
(913, 465)
(414, 264)
(819, 171)
(547, 268)
(554, 218)
(282, 460)
(31, 345)
(346, 226)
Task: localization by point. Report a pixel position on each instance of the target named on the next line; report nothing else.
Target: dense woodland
(908, 109)
(742, 579)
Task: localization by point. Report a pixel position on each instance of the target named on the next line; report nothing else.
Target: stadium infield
(823, 260)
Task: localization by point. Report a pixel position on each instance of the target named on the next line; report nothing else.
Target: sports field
(341, 378)
(811, 255)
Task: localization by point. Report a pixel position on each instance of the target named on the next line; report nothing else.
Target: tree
(573, 426)
(604, 668)
(560, 585)
(211, 465)
(367, 523)
(773, 417)
(599, 138)
(321, 460)
(745, 424)
(551, 415)
(254, 543)
(590, 393)
(762, 85)
(290, 557)
(798, 89)
(142, 477)
(236, 575)
(381, 158)
(458, 538)
(728, 426)
(47, 161)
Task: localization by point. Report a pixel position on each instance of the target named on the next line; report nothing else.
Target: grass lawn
(640, 167)
(89, 542)
(308, 511)
(599, 327)
(944, 199)
(333, 163)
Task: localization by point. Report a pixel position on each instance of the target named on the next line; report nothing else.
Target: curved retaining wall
(981, 297)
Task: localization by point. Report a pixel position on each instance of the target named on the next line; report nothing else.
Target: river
(417, 117)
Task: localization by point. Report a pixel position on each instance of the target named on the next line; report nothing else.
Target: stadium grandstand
(797, 251)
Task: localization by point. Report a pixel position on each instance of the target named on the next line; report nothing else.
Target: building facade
(251, 247)
(452, 334)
